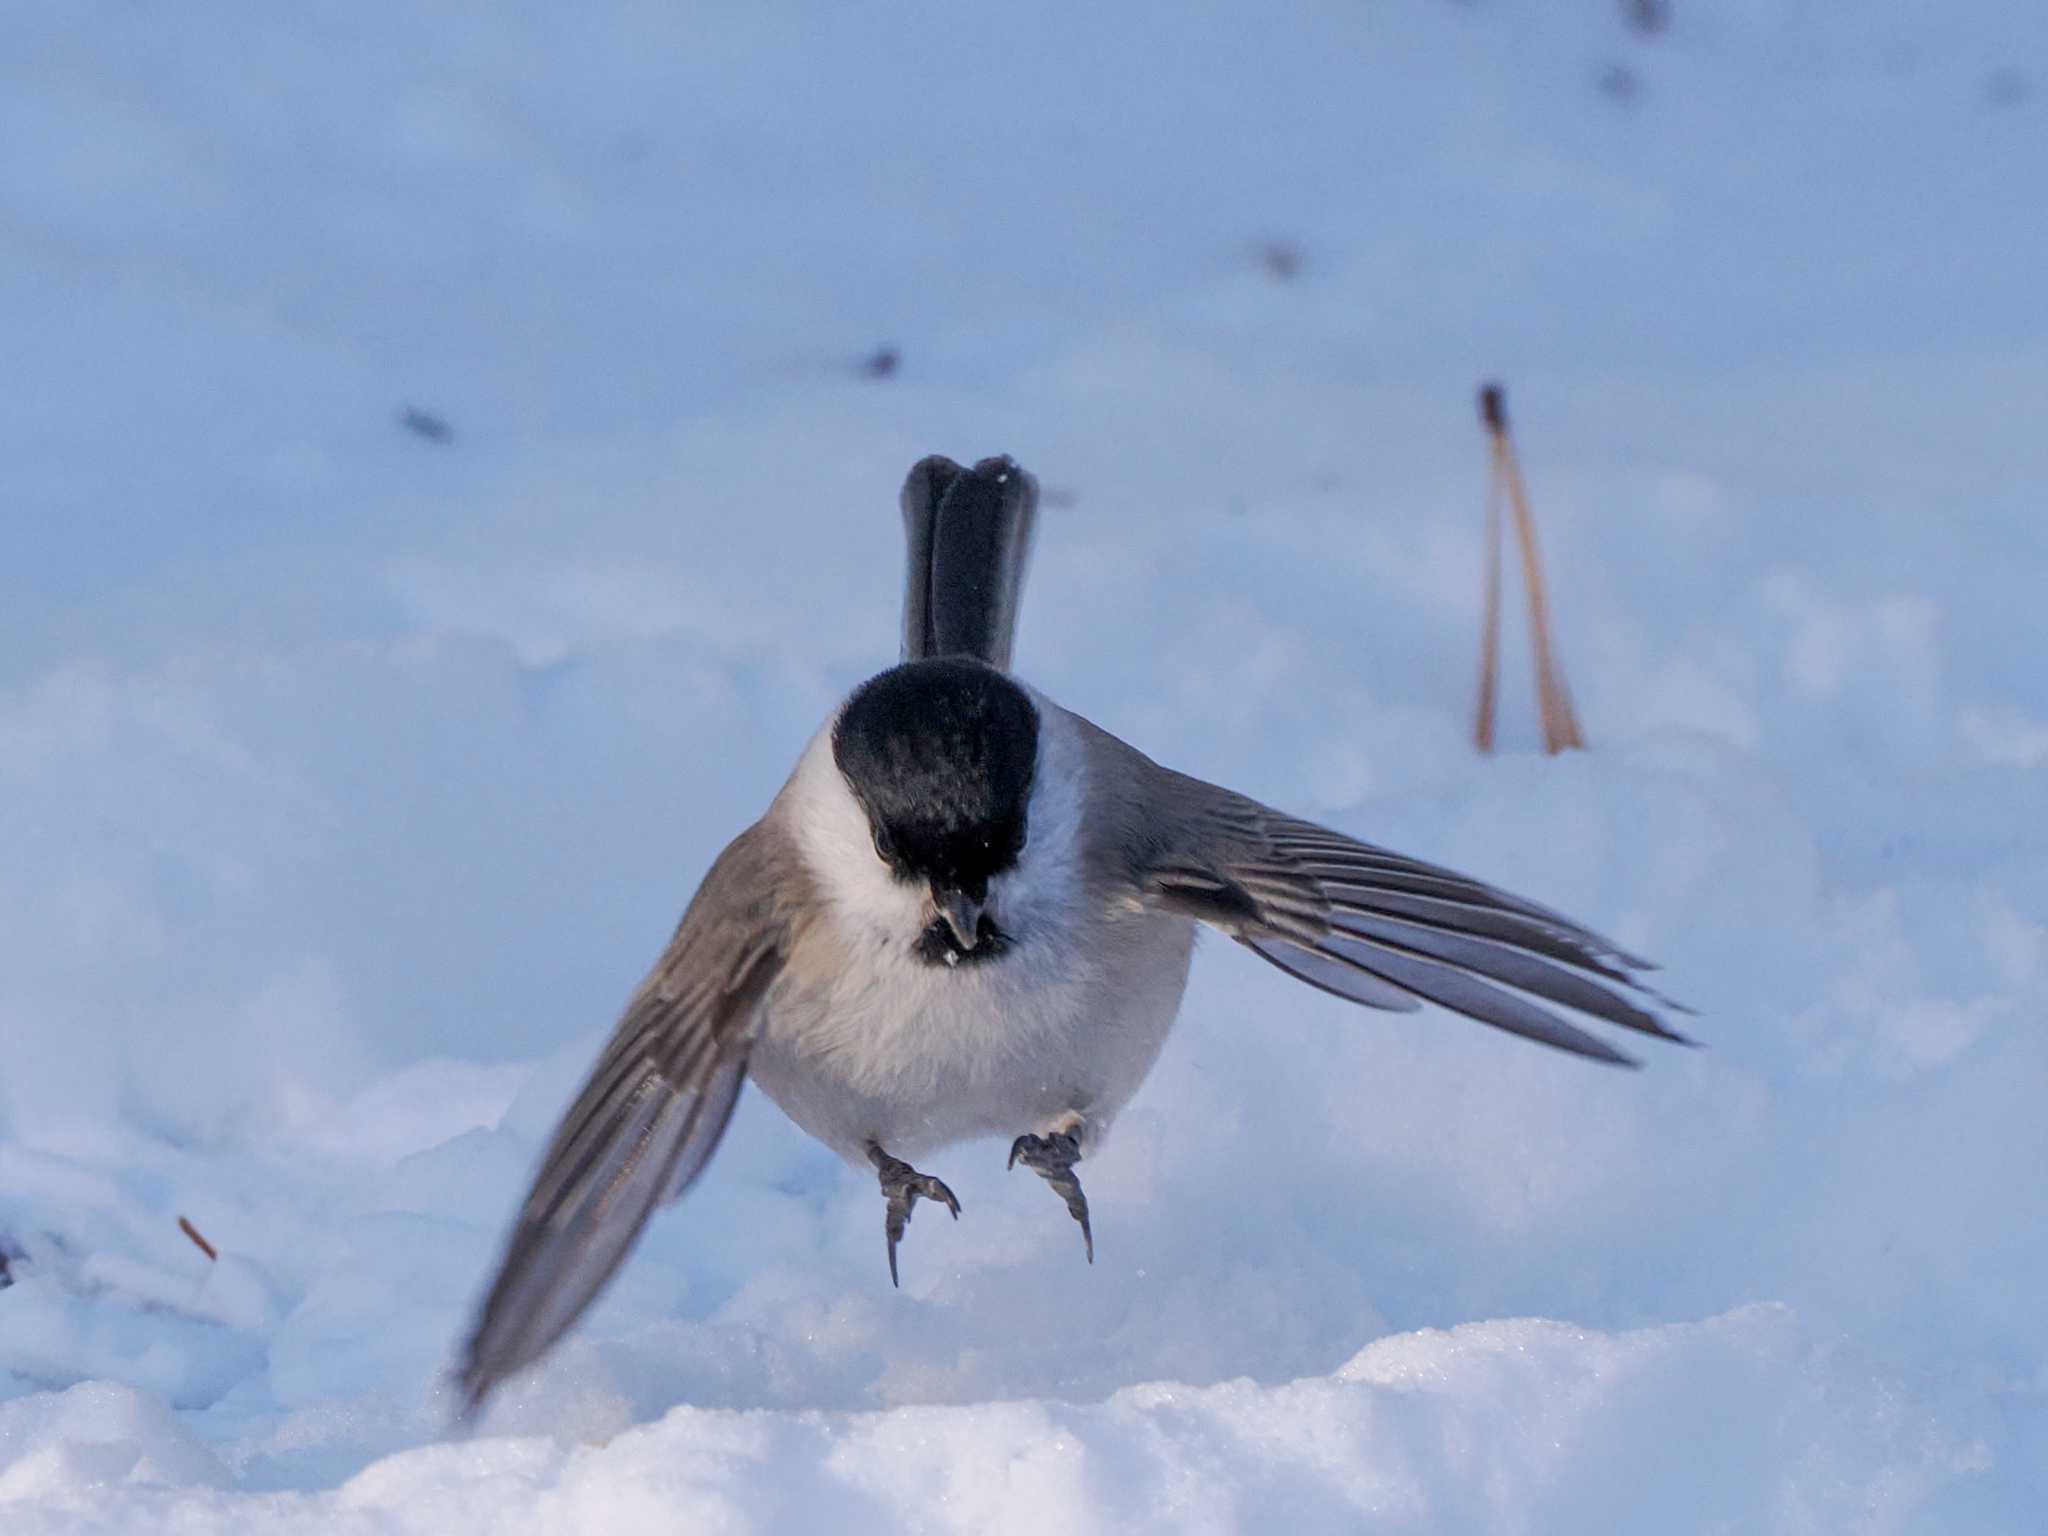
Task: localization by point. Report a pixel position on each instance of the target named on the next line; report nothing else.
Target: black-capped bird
(969, 913)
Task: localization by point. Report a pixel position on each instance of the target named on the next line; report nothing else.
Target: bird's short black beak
(962, 915)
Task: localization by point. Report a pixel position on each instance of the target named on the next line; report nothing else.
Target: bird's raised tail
(968, 540)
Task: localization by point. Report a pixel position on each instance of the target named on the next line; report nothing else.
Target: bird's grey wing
(1379, 928)
(648, 1118)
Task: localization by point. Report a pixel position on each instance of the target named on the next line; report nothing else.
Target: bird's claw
(1052, 1158)
(904, 1186)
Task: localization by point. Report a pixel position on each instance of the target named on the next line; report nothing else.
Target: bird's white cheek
(839, 849)
(873, 901)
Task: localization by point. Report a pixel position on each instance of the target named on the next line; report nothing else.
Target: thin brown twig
(1560, 722)
(1489, 630)
(198, 1242)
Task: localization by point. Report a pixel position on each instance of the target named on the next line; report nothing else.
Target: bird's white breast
(863, 1039)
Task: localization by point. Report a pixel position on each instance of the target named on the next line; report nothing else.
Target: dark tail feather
(923, 490)
(968, 538)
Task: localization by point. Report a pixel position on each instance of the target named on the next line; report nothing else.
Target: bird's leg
(904, 1186)
(1052, 1158)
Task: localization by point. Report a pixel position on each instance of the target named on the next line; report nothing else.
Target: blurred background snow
(448, 470)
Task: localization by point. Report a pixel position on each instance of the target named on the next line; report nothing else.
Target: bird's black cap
(940, 753)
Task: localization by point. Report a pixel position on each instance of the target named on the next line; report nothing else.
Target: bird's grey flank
(969, 913)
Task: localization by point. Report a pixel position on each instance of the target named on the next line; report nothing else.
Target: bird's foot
(904, 1186)
(1052, 1158)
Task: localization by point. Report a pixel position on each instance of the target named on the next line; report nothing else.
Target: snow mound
(1737, 1423)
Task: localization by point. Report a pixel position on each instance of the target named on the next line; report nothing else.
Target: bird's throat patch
(937, 945)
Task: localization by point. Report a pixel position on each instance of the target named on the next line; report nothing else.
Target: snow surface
(349, 778)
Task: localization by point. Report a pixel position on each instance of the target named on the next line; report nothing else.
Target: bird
(969, 913)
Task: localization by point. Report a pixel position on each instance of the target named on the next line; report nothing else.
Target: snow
(1421, 1431)
(349, 778)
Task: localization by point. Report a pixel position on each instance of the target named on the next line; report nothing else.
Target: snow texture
(447, 474)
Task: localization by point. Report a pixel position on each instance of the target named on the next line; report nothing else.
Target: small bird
(970, 912)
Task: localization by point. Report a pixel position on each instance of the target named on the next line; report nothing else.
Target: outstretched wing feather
(646, 1121)
(1384, 930)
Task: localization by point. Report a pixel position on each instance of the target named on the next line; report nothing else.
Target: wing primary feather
(1457, 888)
(1333, 858)
(1520, 956)
(645, 1123)
(1498, 962)
(1456, 916)
(714, 1112)
(562, 1253)
(1327, 973)
(1374, 927)
(1462, 992)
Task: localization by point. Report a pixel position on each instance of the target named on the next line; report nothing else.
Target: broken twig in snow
(1504, 481)
(198, 1242)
